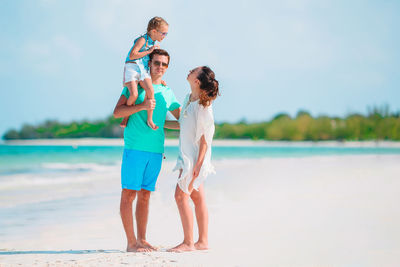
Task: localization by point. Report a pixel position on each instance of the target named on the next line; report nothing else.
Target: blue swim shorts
(140, 169)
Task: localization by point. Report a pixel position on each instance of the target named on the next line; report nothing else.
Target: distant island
(377, 124)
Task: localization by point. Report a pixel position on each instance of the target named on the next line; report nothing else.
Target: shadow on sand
(60, 252)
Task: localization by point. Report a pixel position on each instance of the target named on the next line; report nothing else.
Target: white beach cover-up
(195, 121)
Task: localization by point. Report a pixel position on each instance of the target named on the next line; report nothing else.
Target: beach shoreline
(216, 142)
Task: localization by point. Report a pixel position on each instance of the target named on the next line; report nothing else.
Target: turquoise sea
(16, 159)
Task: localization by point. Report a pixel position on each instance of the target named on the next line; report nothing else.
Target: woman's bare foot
(152, 125)
(182, 248)
(201, 245)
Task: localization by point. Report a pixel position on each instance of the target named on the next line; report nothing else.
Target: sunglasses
(163, 33)
(159, 63)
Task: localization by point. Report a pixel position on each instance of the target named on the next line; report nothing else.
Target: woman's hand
(190, 188)
(196, 172)
(163, 83)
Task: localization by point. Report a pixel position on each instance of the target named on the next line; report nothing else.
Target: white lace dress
(195, 121)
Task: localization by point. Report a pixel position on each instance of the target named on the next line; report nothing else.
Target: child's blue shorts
(140, 169)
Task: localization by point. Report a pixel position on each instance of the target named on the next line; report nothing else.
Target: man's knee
(144, 195)
(128, 195)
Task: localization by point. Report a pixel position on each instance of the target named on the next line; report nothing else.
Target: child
(137, 65)
(196, 133)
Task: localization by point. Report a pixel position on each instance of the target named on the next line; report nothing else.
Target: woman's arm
(135, 54)
(200, 159)
(122, 110)
(173, 125)
(176, 113)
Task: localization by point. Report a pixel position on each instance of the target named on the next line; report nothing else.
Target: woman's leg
(185, 211)
(201, 210)
(148, 87)
(133, 94)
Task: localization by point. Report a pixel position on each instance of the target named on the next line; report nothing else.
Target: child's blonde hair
(155, 23)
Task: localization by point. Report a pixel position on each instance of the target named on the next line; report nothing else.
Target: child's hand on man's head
(151, 49)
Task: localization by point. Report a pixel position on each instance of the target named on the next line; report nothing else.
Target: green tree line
(378, 124)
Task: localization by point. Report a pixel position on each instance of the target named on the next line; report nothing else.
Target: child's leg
(185, 211)
(201, 210)
(133, 94)
(148, 87)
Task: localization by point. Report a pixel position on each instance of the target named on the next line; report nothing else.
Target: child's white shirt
(195, 121)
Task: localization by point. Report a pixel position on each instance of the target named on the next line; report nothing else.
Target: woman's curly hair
(208, 85)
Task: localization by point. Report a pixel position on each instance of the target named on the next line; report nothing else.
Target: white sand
(315, 211)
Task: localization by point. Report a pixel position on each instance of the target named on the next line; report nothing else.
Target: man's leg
(127, 197)
(201, 210)
(150, 176)
(142, 214)
(185, 211)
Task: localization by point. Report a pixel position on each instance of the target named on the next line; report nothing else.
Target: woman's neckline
(190, 101)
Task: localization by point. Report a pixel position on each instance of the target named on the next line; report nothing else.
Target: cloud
(70, 48)
(45, 56)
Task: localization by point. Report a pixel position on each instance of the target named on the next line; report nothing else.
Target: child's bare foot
(201, 245)
(182, 248)
(124, 122)
(152, 125)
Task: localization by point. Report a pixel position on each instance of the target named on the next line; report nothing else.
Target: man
(141, 162)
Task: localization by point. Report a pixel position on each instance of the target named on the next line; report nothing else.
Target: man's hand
(149, 104)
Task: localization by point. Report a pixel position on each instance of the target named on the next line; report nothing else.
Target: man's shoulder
(165, 90)
(162, 87)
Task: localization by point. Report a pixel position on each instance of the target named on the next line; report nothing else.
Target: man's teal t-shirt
(137, 134)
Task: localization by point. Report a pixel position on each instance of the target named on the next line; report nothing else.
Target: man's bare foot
(144, 246)
(140, 249)
(152, 125)
(182, 248)
(131, 248)
(201, 245)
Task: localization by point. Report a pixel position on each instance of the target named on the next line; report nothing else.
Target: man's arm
(122, 110)
(172, 125)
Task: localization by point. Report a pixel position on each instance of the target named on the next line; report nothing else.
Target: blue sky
(64, 59)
